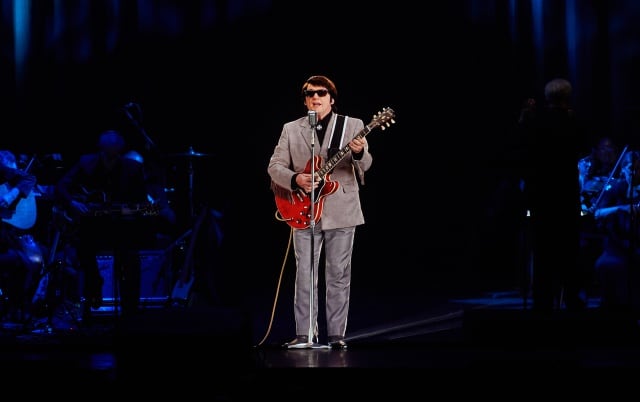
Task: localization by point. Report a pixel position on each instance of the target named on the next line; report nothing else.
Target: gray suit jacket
(293, 153)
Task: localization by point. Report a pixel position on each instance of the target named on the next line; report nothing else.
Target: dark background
(222, 77)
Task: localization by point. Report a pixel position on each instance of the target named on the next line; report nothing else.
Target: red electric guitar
(294, 207)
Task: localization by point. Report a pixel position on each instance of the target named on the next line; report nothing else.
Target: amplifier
(155, 278)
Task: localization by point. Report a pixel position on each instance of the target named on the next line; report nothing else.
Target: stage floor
(215, 349)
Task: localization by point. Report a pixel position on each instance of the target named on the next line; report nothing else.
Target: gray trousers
(338, 247)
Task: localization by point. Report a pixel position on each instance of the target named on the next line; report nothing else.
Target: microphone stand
(313, 120)
(633, 232)
(149, 143)
(192, 211)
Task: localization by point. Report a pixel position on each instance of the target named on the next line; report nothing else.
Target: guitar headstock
(383, 118)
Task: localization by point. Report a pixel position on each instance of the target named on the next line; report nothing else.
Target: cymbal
(190, 154)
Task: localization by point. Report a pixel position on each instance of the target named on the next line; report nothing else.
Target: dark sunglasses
(319, 92)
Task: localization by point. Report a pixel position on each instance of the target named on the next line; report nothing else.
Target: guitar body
(295, 207)
(23, 213)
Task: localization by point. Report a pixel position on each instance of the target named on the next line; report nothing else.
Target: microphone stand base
(308, 345)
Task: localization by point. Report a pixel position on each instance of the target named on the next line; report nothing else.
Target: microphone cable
(275, 299)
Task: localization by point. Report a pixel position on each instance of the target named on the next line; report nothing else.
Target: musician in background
(552, 135)
(106, 195)
(342, 212)
(617, 214)
(20, 256)
(597, 172)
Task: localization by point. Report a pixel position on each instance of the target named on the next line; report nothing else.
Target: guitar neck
(333, 161)
(382, 118)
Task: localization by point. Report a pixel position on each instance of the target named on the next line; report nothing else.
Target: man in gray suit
(324, 168)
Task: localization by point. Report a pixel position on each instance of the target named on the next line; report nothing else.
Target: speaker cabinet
(155, 279)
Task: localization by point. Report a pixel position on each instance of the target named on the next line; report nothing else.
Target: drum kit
(133, 112)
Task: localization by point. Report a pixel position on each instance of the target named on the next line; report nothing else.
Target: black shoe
(300, 341)
(337, 342)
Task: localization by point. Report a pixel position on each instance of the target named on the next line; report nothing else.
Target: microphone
(313, 118)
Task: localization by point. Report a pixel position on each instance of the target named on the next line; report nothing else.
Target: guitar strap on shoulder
(336, 140)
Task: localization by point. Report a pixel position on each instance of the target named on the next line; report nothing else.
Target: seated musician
(106, 195)
(617, 215)
(597, 172)
(20, 256)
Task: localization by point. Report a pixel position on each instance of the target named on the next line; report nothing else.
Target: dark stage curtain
(222, 76)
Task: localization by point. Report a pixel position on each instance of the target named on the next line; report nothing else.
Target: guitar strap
(336, 140)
